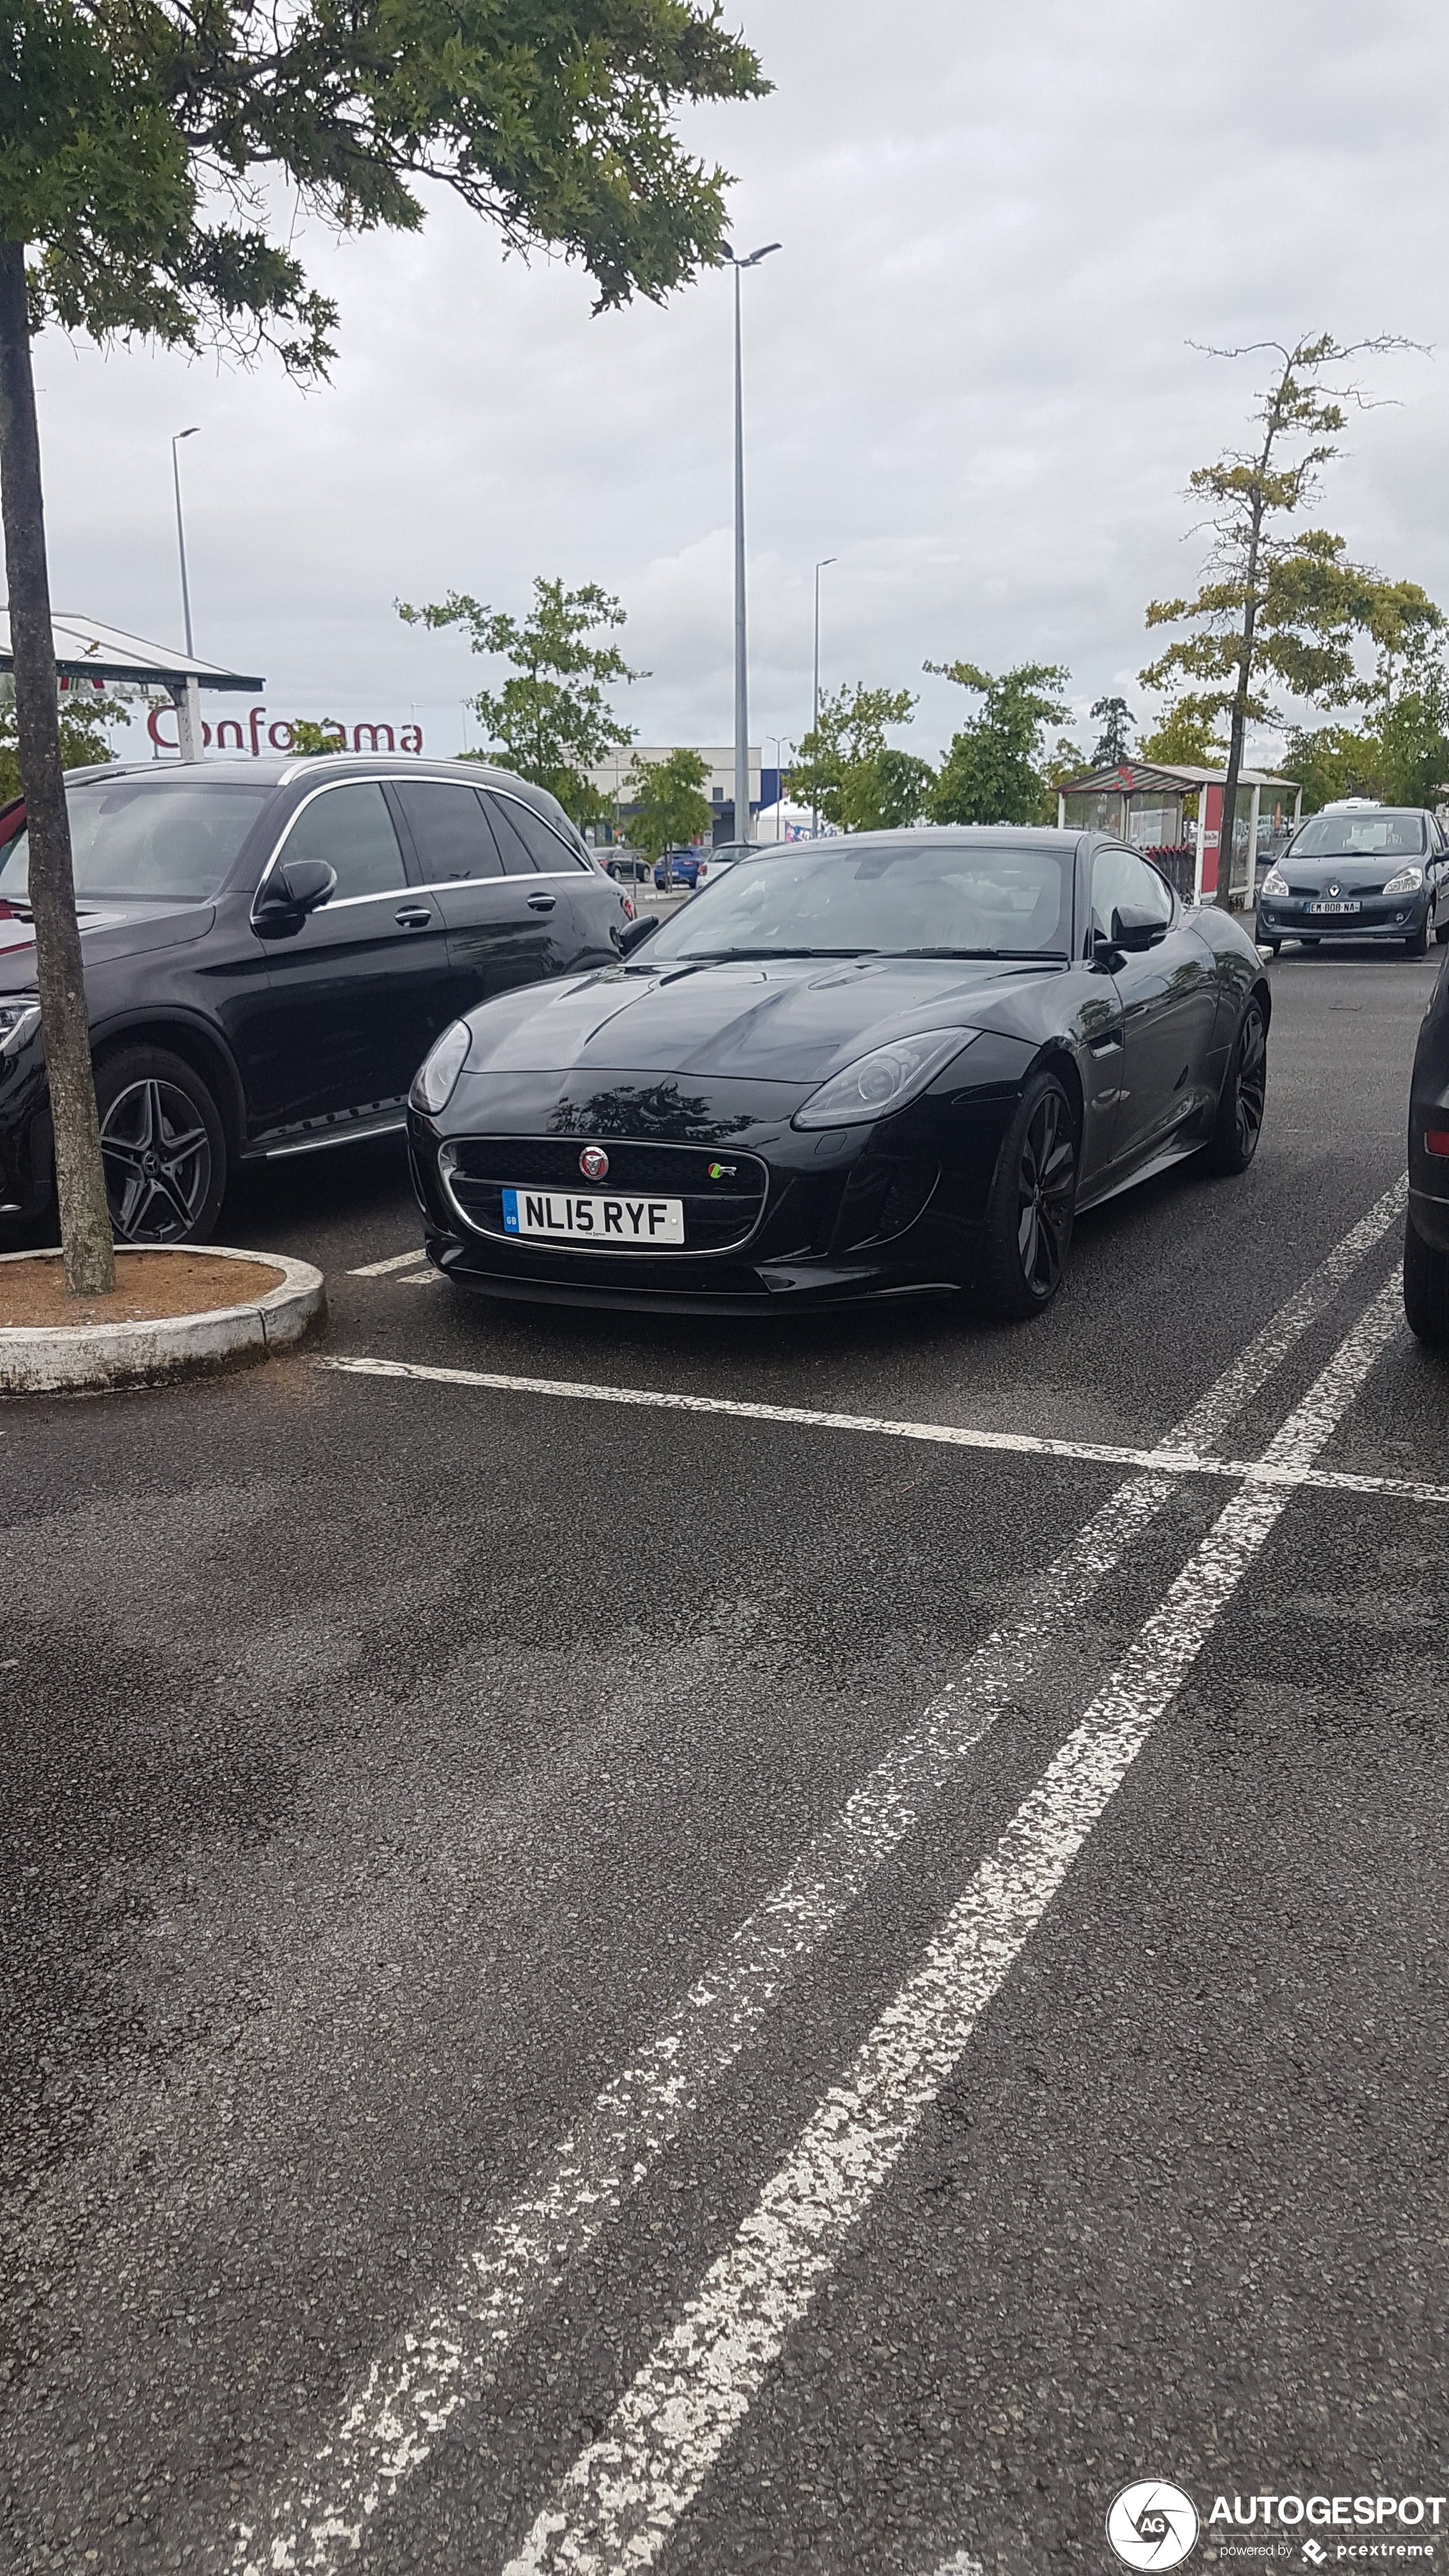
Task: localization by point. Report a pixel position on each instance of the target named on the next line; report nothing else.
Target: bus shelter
(88, 654)
(1145, 803)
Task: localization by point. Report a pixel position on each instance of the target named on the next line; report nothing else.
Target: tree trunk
(85, 1219)
(1238, 721)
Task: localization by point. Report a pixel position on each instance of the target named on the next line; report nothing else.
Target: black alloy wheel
(1426, 1288)
(1033, 1203)
(1244, 1096)
(162, 1146)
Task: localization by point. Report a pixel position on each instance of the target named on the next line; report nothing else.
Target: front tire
(1244, 1096)
(1426, 1288)
(163, 1147)
(1417, 944)
(1032, 1206)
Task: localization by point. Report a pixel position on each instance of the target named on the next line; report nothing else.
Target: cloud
(967, 372)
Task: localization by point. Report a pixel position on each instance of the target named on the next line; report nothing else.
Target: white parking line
(622, 2499)
(412, 2392)
(394, 1261)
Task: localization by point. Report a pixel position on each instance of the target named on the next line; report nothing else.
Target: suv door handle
(413, 916)
(542, 902)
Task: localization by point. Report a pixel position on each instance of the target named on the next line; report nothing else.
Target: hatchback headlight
(436, 1076)
(883, 1080)
(1408, 881)
(1274, 882)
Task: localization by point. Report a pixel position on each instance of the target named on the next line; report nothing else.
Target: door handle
(413, 916)
(542, 902)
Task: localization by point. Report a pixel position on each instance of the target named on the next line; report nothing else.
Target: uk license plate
(608, 1224)
(1335, 907)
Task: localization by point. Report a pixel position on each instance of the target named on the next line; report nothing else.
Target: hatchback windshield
(917, 898)
(153, 838)
(1361, 836)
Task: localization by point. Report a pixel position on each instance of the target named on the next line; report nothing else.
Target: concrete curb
(37, 1361)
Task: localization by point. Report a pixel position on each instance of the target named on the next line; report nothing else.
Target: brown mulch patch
(33, 1292)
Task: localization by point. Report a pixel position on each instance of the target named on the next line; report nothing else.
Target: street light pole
(819, 569)
(181, 537)
(742, 667)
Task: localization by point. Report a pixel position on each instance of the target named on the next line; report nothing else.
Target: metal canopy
(86, 650)
(1130, 775)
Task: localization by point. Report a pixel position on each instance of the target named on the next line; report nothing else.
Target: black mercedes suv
(271, 948)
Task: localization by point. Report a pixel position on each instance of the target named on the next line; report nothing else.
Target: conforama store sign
(256, 733)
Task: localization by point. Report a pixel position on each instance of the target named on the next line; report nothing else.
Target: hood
(1355, 872)
(114, 929)
(783, 1020)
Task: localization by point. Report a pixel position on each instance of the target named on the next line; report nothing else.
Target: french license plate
(614, 1224)
(1335, 907)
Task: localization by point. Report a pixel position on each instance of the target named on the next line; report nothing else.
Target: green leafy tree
(84, 725)
(670, 805)
(551, 720)
(1187, 737)
(310, 741)
(154, 158)
(1331, 761)
(1113, 745)
(993, 771)
(846, 770)
(1275, 605)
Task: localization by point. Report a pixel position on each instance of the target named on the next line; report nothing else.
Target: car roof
(1043, 836)
(285, 769)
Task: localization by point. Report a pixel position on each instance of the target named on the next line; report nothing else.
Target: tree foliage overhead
(846, 770)
(85, 735)
(993, 771)
(669, 802)
(138, 137)
(551, 720)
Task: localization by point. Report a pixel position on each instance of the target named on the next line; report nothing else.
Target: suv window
(1121, 882)
(351, 828)
(544, 847)
(450, 829)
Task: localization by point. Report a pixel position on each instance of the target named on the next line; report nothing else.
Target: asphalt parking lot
(653, 1977)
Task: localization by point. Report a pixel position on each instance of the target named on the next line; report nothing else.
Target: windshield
(923, 898)
(1361, 836)
(154, 838)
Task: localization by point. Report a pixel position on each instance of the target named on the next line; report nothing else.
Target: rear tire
(1033, 1204)
(163, 1146)
(1244, 1096)
(1426, 1288)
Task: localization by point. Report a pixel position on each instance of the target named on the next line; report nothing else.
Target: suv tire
(163, 1145)
(1426, 1288)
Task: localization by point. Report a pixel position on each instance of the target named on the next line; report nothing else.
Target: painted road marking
(412, 2392)
(394, 1261)
(624, 2495)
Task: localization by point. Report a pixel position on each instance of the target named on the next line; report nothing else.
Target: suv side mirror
(1134, 931)
(634, 933)
(299, 886)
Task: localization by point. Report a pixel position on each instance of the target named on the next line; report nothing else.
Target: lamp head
(186, 433)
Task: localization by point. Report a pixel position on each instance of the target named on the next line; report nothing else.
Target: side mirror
(634, 933)
(1134, 932)
(299, 886)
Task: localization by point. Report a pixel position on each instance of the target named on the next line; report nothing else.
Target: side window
(351, 828)
(1121, 882)
(542, 843)
(450, 830)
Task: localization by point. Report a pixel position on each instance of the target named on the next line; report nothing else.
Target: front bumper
(1393, 918)
(845, 1215)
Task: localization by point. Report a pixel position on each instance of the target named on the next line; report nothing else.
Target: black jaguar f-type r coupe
(869, 1067)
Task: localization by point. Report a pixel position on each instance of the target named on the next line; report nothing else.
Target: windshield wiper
(725, 956)
(1034, 956)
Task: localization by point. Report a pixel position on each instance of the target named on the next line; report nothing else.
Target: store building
(612, 775)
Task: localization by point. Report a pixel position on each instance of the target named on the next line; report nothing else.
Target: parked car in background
(626, 867)
(1359, 871)
(714, 863)
(683, 868)
(1426, 1236)
(271, 948)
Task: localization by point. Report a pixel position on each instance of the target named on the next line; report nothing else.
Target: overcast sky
(967, 374)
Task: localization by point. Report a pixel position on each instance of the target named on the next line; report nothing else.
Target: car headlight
(436, 1075)
(18, 1024)
(883, 1080)
(1408, 881)
(1274, 882)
